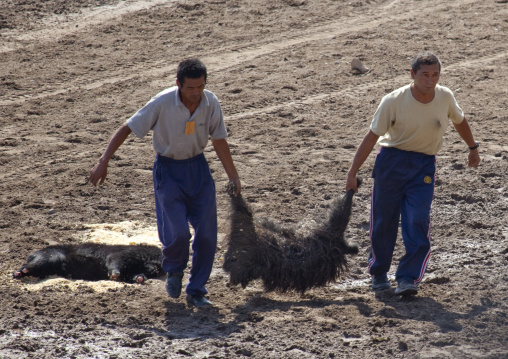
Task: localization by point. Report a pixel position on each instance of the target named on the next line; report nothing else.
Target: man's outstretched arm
(465, 132)
(363, 151)
(99, 173)
(221, 147)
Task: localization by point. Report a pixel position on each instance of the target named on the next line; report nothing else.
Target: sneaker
(198, 300)
(174, 284)
(406, 288)
(380, 282)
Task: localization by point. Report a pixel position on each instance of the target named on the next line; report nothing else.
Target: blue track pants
(185, 193)
(403, 190)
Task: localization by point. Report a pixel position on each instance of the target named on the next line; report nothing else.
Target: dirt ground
(72, 71)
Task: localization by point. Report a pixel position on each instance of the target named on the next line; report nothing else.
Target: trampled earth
(73, 71)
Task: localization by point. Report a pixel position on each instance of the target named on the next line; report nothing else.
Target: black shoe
(406, 288)
(380, 282)
(174, 284)
(198, 300)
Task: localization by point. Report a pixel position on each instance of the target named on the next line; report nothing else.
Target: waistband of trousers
(164, 159)
(406, 153)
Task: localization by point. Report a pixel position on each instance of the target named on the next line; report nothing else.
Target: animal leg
(139, 278)
(21, 273)
(114, 266)
(114, 274)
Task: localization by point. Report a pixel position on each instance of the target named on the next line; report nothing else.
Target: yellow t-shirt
(409, 125)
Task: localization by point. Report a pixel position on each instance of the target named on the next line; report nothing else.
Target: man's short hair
(190, 68)
(425, 58)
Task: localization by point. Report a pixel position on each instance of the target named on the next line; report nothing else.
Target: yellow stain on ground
(125, 232)
(101, 286)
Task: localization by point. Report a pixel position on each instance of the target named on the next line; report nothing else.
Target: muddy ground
(73, 71)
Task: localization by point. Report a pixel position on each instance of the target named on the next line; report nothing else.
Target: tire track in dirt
(228, 56)
(62, 25)
(363, 88)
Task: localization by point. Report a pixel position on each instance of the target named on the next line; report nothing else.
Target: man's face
(192, 89)
(426, 78)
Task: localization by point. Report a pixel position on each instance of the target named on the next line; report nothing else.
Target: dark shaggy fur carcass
(94, 261)
(282, 258)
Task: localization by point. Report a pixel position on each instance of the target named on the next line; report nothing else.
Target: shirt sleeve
(455, 113)
(383, 117)
(145, 118)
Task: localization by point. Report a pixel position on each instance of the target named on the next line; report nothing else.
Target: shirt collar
(178, 102)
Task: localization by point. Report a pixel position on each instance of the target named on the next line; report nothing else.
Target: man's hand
(99, 173)
(352, 182)
(473, 160)
(234, 187)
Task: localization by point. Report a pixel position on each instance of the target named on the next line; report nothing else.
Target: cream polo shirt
(409, 125)
(166, 116)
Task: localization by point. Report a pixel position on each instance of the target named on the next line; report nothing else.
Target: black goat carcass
(94, 261)
(281, 257)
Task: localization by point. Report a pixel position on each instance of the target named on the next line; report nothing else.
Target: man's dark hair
(190, 68)
(425, 58)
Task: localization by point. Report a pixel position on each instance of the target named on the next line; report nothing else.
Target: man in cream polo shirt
(409, 125)
(182, 119)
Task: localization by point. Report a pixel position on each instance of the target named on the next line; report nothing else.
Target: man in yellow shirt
(409, 125)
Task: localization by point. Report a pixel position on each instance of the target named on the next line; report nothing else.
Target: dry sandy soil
(72, 71)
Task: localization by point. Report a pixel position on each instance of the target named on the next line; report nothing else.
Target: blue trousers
(185, 193)
(403, 190)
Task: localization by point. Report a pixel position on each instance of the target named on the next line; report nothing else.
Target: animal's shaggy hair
(94, 261)
(284, 259)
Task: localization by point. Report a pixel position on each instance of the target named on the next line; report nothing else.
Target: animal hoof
(21, 273)
(140, 278)
(115, 275)
(352, 248)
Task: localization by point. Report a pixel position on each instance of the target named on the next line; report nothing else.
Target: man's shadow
(184, 322)
(426, 309)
